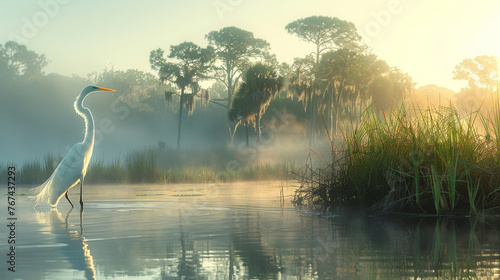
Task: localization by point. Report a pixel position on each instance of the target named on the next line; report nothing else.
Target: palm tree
(241, 112)
(261, 83)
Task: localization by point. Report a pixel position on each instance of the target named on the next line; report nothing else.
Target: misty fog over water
(38, 121)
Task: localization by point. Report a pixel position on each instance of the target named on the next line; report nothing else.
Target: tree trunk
(312, 117)
(308, 111)
(313, 101)
(339, 92)
(229, 88)
(230, 92)
(257, 128)
(331, 109)
(232, 131)
(246, 130)
(180, 120)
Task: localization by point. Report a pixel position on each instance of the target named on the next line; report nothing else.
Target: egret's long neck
(85, 113)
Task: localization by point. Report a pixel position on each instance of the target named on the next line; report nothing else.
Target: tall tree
(234, 48)
(261, 83)
(301, 78)
(482, 71)
(350, 81)
(335, 73)
(326, 33)
(346, 77)
(192, 64)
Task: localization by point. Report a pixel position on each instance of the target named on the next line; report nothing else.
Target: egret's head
(92, 88)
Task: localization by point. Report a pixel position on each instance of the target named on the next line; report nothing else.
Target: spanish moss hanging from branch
(168, 96)
(205, 97)
(189, 102)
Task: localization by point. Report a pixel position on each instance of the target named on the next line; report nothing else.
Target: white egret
(73, 167)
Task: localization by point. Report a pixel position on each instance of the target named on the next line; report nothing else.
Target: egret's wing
(66, 175)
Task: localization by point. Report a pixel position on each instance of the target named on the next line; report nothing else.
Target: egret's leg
(67, 197)
(81, 221)
(81, 191)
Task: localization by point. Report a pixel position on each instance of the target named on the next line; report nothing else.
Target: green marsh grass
(142, 167)
(433, 161)
(106, 172)
(38, 170)
(267, 171)
(150, 165)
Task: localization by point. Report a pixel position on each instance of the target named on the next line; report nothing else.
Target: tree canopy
(234, 49)
(325, 33)
(261, 83)
(17, 61)
(191, 64)
(482, 71)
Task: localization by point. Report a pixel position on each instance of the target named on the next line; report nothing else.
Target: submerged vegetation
(434, 161)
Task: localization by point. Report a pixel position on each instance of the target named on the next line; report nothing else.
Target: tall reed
(435, 161)
(142, 167)
(110, 172)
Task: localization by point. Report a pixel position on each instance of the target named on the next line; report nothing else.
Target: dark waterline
(236, 231)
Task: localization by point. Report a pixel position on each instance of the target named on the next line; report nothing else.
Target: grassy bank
(434, 161)
(152, 165)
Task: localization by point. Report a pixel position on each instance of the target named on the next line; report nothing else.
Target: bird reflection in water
(76, 250)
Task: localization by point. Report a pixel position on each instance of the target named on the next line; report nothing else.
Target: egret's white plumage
(73, 167)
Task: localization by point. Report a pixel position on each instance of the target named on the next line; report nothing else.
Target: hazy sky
(421, 37)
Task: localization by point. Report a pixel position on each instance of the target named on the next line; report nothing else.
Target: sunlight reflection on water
(237, 231)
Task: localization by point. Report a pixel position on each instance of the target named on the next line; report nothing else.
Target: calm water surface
(235, 231)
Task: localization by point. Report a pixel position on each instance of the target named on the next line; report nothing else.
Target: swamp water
(234, 231)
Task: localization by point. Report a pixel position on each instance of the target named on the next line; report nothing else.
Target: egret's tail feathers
(43, 192)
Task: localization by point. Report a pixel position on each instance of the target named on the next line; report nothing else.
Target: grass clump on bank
(434, 161)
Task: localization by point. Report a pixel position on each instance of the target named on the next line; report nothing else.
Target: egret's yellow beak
(105, 89)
